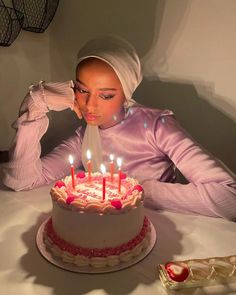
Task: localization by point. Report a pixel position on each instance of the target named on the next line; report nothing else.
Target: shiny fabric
(151, 143)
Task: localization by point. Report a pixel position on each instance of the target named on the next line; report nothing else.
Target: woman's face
(99, 93)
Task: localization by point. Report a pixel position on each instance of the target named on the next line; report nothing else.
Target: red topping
(177, 271)
(123, 175)
(116, 203)
(70, 199)
(138, 187)
(59, 184)
(80, 174)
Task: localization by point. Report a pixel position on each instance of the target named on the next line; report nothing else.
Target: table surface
(179, 237)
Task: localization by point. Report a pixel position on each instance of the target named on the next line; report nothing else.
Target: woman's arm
(26, 169)
(211, 189)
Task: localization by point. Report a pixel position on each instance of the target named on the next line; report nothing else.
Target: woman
(150, 141)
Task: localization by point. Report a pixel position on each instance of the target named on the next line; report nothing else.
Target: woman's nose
(91, 101)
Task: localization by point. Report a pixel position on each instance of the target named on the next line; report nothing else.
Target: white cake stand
(88, 269)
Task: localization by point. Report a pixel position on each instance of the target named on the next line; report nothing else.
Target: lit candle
(119, 163)
(112, 166)
(103, 170)
(72, 170)
(89, 165)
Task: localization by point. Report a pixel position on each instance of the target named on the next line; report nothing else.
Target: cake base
(88, 269)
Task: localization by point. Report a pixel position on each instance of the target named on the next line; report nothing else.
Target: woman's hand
(77, 109)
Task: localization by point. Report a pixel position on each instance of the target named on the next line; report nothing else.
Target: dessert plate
(88, 269)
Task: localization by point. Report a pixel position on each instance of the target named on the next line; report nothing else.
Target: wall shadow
(62, 125)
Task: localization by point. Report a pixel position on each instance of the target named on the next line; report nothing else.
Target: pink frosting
(138, 187)
(123, 175)
(116, 203)
(80, 174)
(60, 184)
(70, 199)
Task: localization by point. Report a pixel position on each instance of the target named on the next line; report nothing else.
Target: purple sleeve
(211, 189)
(26, 169)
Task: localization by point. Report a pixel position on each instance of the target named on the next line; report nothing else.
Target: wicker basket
(10, 24)
(38, 14)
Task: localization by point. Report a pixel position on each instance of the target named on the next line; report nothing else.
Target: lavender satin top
(150, 141)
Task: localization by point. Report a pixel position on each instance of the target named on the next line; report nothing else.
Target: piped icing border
(96, 257)
(72, 199)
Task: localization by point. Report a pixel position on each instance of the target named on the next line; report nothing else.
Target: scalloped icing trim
(130, 198)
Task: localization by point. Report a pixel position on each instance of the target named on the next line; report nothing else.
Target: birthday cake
(96, 226)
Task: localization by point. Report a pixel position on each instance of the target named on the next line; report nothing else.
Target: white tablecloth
(25, 272)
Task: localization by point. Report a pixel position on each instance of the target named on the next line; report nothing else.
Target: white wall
(196, 44)
(188, 49)
(26, 61)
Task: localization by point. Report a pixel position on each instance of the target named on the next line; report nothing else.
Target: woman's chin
(102, 125)
(92, 123)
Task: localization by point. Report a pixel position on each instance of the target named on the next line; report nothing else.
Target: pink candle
(89, 165)
(72, 171)
(112, 166)
(103, 170)
(119, 163)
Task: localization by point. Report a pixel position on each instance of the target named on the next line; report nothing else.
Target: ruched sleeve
(26, 169)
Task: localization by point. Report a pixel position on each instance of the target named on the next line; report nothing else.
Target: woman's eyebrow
(101, 89)
(105, 89)
(80, 82)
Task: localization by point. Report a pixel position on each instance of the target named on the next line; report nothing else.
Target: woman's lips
(91, 117)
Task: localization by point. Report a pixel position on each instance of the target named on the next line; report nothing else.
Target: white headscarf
(122, 57)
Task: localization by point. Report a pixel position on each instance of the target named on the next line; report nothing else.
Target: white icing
(90, 230)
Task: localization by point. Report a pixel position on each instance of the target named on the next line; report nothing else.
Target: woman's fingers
(77, 110)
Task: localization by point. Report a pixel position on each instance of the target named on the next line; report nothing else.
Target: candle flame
(119, 162)
(71, 160)
(89, 155)
(103, 169)
(111, 157)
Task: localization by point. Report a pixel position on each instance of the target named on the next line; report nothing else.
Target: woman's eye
(106, 96)
(80, 90)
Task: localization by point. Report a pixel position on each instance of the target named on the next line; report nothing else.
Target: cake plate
(88, 269)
